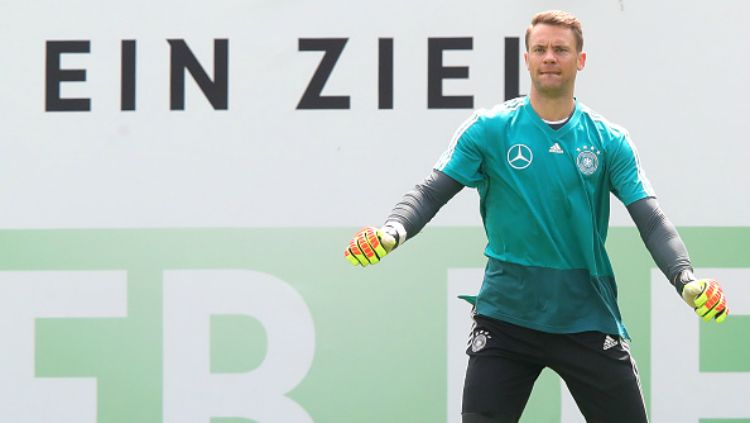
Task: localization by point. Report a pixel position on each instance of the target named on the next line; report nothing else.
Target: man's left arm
(670, 254)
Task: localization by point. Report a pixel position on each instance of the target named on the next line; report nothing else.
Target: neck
(552, 108)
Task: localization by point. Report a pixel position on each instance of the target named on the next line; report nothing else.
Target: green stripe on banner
(380, 332)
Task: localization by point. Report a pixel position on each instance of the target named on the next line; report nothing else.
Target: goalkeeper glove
(704, 295)
(370, 245)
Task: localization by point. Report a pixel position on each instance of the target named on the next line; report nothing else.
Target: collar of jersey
(544, 126)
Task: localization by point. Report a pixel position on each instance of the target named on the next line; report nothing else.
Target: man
(544, 166)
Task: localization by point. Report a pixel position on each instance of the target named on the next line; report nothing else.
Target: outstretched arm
(669, 253)
(661, 239)
(420, 205)
(408, 217)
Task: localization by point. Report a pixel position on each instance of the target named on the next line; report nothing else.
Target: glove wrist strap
(396, 230)
(684, 277)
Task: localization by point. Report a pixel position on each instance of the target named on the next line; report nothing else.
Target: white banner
(234, 145)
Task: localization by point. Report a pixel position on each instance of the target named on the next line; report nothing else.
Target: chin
(551, 90)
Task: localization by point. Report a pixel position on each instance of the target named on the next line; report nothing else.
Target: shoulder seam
(448, 154)
(596, 117)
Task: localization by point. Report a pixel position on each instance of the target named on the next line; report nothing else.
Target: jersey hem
(552, 329)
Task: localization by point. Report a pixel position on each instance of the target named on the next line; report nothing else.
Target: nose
(549, 56)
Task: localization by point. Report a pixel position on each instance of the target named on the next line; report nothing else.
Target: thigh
(501, 373)
(602, 377)
(497, 388)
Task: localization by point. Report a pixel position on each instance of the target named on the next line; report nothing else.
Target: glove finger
(356, 252)
(715, 297)
(708, 291)
(723, 315)
(707, 315)
(713, 306)
(374, 240)
(350, 257)
(366, 248)
(720, 309)
(705, 312)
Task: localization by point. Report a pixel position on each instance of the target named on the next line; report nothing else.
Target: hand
(707, 299)
(369, 246)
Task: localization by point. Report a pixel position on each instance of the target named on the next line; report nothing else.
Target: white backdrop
(672, 72)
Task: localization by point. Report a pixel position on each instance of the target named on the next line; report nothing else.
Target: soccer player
(544, 166)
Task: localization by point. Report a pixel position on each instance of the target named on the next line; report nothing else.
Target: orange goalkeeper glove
(706, 297)
(369, 246)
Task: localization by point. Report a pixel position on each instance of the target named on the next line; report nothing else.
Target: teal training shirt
(544, 202)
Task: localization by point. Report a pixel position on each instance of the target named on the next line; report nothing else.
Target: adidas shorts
(505, 360)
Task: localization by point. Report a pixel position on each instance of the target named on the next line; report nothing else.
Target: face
(552, 60)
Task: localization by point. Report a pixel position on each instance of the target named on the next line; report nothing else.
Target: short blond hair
(558, 18)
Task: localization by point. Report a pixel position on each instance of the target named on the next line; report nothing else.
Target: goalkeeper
(544, 166)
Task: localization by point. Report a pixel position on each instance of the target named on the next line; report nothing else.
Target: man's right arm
(409, 216)
(420, 205)
(460, 165)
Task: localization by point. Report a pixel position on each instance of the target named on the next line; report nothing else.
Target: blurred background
(179, 181)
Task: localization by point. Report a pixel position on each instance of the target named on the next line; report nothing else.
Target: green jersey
(544, 202)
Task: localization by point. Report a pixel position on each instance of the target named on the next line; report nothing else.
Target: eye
(561, 49)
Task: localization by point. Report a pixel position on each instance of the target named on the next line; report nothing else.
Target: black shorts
(505, 360)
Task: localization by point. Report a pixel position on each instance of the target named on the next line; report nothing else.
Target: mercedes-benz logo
(520, 156)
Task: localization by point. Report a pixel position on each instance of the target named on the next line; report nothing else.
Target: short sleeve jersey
(544, 202)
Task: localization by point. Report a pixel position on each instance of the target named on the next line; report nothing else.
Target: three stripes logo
(556, 149)
(609, 342)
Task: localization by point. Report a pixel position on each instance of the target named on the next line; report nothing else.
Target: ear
(581, 60)
(526, 59)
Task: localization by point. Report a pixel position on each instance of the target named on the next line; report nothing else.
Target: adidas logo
(609, 342)
(556, 149)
